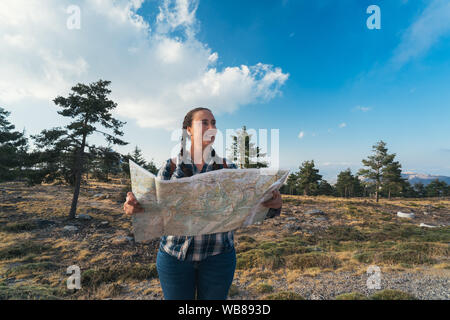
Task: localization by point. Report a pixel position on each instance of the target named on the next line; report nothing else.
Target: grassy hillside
(318, 255)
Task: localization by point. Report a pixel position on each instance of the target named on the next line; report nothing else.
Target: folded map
(211, 202)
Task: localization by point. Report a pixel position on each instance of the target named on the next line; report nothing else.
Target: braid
(213, 155)
(187, 172)
(183, 141)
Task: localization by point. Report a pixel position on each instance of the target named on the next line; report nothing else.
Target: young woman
(200, 266)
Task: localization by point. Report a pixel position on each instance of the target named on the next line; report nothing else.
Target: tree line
(64, 154)
(381, 176)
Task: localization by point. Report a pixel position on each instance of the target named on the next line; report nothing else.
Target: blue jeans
(210, 278)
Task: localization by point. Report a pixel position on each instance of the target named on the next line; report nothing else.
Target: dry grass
(284, 295)
(271, 260)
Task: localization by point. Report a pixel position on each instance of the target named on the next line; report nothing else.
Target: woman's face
(203, 129)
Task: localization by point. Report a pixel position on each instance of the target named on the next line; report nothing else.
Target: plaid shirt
(196, 248)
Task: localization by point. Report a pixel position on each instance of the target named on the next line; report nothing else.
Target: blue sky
(341, 85)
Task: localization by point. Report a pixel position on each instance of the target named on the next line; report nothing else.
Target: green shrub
(345, 233)
(22, 249)
(246, 239)
(29, 293)
(32, 267)
(351, 296)
(397, 231)
(270, 254)
(259, 258)
(389, 294)
(95, 277)
(410, 253)
(312, 260)
(264, 288)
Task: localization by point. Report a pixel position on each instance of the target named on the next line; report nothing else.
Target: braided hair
(187, 122)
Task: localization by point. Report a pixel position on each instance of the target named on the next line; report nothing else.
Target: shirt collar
(187, 159)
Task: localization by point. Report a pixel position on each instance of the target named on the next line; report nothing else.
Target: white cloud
(301, 135)
(342, 125)
(336, 163)
(159, 70)
(177, 14)
(426, 31)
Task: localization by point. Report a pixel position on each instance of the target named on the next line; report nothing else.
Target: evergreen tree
(25, 162)
(13, 147)
(409, 191)
(290, 187)
(419, 188)
(106, 162)
(244, 152)
(392, 178)
(348, 185)
(150, 166)
(54, 157)
(138, 158)
(90, 107)
(367, 188)
(325, 188)
(437, 188)
(90, 163)
(375, 163)
(308, 178)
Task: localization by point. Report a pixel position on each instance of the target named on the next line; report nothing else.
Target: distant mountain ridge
(413, 178)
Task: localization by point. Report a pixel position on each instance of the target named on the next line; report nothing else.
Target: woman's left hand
(275, 202)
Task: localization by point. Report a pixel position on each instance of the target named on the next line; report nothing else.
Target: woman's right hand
(131, 205)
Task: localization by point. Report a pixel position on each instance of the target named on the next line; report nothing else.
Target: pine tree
(244, 152)
(419, 187)
(392, 178)
(150, 166)
(437, 188)
(325, 188)
(409, 191)
(375, 164)
(367, 188)
(138, 158)
(348, 185)
(54, 157)
(106, 162)
(90, 107)
(13, 146)
(290, 187)
(308, 178)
